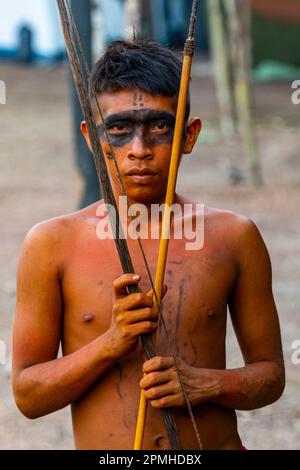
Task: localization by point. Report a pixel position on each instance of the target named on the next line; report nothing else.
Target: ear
(85, 134)
(193, 130)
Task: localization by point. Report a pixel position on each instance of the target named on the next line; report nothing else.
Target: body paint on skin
(124, 127)
(141, 101)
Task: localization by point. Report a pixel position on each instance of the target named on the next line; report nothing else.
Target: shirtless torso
(66, 294)
(81, 269)
(199, 284)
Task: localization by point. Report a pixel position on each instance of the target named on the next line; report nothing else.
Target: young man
(71, 290)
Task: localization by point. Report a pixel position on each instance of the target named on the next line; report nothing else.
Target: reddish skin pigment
(71, 290)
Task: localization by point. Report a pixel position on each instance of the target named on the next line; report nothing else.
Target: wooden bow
(73, 45)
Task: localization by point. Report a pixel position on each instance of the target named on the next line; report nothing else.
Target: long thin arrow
(164, 241)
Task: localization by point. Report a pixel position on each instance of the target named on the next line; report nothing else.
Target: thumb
(164, 291)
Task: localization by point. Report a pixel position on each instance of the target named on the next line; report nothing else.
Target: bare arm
(41, 382)
(256, 324)
(255, 320)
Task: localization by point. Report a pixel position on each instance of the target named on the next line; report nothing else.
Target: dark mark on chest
(178, 312)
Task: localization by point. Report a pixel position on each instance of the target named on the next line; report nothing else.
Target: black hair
(142, 64)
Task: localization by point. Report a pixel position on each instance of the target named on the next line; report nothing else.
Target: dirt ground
(38, 181)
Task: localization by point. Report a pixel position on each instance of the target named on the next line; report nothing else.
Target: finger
(122, 282)
(135, 301)
(164, 291)
(143, 328)
(158, 363)
(164, 402)
(158, 392)
(154, 378)
(143, 314)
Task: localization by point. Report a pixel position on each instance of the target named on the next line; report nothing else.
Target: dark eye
(160, 127)
(119, 129)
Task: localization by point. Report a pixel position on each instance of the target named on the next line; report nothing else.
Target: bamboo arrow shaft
(164, 240)
(175, 159)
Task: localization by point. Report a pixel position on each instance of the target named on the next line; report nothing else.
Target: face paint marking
(154, 127)
(141, 101)
(134, 102)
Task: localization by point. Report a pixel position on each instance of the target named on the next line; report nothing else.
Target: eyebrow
(138, 116)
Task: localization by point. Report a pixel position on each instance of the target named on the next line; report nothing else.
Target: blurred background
(246, 89)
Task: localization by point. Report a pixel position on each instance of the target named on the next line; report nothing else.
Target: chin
(144, 195)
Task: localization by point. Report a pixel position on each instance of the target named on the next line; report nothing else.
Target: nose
(139, 148)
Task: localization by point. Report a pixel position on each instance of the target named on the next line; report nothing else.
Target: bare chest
(198, 287)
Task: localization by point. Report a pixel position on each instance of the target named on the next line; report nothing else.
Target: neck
(148, 214)
(148, 204)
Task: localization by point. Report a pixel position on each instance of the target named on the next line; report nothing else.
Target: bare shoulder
(229, 221)
(238, 231)
(53, 232)
(234, 230)
(49, 239)
(225, 221)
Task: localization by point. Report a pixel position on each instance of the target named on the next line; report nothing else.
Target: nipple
(211, 313)
(87, 317)
(159, 441)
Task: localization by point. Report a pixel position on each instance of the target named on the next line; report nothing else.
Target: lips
(141, 176)
(141, 172)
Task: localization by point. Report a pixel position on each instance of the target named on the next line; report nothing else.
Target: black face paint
(141, 101)
(152, 126)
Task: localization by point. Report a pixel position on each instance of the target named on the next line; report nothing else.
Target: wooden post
(239, 21)
(220, 56)
(83, 157)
